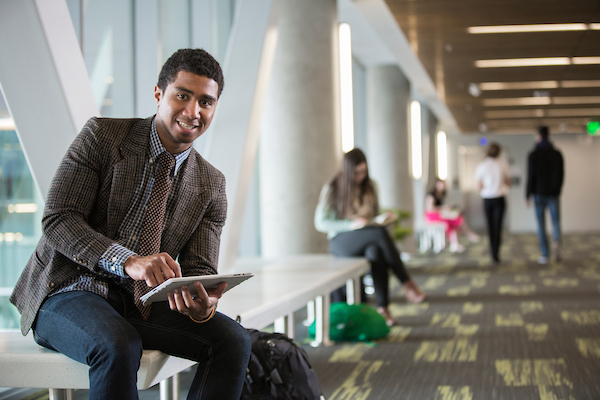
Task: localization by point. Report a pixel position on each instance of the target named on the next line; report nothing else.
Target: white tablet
(159, 293)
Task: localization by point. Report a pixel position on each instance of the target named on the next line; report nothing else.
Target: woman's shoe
(389, 320)
(456, 248)
(413, 293)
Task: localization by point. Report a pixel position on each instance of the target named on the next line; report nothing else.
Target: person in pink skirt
(437, 211)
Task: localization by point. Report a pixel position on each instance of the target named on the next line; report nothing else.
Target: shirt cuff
(113, 259)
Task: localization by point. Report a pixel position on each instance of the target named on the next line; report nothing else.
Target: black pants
(494, 214)
(376, 244)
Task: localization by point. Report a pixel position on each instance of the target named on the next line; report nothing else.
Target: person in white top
(493, 181)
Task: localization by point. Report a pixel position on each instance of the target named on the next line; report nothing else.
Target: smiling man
(131, 205)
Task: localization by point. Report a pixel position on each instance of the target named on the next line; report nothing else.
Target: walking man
(545, 173)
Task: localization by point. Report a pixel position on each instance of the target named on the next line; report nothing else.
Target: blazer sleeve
(72, 197)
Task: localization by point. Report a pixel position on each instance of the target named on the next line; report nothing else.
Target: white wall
(581, 190)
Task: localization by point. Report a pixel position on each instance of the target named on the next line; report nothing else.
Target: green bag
(354, 322)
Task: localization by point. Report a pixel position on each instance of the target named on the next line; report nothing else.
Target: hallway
(519, 330)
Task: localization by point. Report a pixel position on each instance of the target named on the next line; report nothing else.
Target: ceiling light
(579, 84)
(585, 60)
(540, 100)
(576, 100)
(529, 28)
(523, 62)
(500, 114)
(573, 112)
(518, 85)
(517, 101)
(595, 27)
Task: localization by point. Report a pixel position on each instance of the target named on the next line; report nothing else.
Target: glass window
(20, 215)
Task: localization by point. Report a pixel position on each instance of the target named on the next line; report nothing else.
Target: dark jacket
(545, 170)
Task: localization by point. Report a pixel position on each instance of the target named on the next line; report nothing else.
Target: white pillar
(388, 101)
(299, 146)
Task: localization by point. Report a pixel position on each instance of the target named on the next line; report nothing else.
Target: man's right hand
(154, 269)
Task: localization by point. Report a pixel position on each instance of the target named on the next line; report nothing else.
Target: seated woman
(437, 211)
(347, 206)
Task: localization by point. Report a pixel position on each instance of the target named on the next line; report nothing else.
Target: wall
(580, 191)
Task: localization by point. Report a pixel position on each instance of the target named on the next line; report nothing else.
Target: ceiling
(566, 100)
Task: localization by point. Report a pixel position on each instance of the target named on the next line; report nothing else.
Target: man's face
(185, 110)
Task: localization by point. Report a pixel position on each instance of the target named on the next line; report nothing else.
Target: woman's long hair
(342, 188)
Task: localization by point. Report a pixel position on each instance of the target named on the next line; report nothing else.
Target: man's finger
(173, 266)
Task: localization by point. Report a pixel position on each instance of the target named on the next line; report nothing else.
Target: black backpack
(279, 370)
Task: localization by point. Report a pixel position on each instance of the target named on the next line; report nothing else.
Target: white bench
(25, 364)
(277, 290)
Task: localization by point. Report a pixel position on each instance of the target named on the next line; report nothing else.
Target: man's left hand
(198, 307)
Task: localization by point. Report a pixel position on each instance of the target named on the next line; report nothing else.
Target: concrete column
(299, 146)
(388, 98)
(431, 157)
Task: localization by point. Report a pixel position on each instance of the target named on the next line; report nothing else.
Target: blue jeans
(109, 336)
(553, 204)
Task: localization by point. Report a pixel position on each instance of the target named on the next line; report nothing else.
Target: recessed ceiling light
(530, 28)
(518, 85)
(541, 113)
(535, 62)
(586, 60)
(538, 85)
(518, 101)
(540, 100)
(579, 84)
(522, 62)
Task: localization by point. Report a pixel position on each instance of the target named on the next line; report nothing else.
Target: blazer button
(50, 285)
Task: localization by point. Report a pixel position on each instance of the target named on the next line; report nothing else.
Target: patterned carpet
(518, 330)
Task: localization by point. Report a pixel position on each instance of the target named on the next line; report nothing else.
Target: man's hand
(154, 269)
(198, 307)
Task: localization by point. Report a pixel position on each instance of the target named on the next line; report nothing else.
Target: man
(545, 172)
(102, 246)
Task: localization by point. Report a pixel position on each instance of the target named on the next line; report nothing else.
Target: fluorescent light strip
(580, 84)
(347, 112)
(523, 62)
(538, 85)
(517, 101)
(529, 28)
(536, 113)
(518, 85)
(538, 101)
(541, 113)
(585, 60)
(442, 156)
(415, 139)
(536, 62)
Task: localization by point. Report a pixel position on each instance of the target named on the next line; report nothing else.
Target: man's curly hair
(196, 61)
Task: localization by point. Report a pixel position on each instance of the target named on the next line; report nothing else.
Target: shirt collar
(156, 148)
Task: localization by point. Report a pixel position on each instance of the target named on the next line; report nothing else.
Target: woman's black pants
(376, 244)
(494, 214)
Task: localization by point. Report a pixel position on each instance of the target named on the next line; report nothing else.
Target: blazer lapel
(192, 200)
(126, 174)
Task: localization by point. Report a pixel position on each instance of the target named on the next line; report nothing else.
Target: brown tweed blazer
(89, 197)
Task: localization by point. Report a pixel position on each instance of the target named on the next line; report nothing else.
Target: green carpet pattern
(517, 330)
